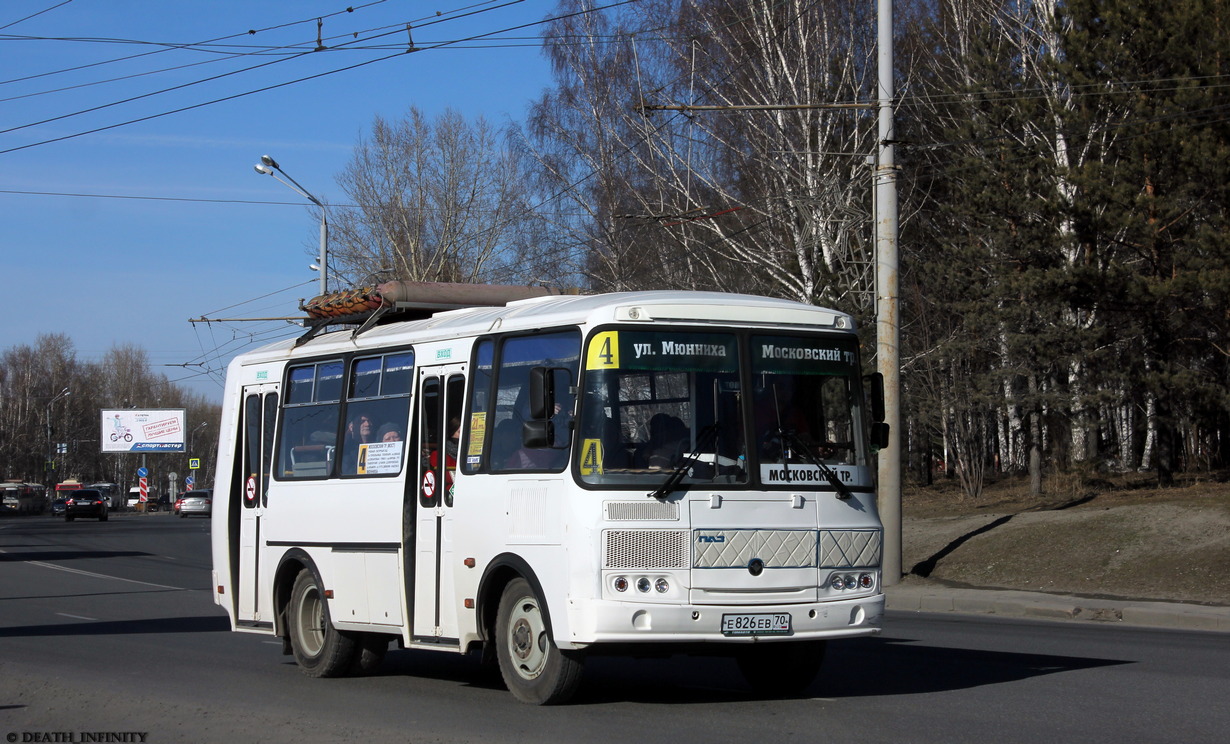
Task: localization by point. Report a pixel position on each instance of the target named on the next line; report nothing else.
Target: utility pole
(888, 329)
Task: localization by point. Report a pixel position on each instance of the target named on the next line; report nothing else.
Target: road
(109, 628)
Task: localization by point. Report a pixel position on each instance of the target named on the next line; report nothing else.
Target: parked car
(85, 503)
(151, 503)
(196, 502)
(58, 507)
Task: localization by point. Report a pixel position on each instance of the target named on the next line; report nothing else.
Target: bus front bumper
(604, 621)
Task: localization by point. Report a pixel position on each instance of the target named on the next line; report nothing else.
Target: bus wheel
(534, 668)
(320, 649)
(781, 669)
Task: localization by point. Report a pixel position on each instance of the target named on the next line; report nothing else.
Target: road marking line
(75, 617)
(103, 576)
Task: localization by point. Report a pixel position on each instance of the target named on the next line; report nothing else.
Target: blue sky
(207, 235)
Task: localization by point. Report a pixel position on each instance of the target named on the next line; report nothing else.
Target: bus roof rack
(401, 301)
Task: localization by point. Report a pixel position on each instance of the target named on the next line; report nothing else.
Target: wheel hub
(522, 638)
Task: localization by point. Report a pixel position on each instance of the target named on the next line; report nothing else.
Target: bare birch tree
(433, 200)
(774, 200)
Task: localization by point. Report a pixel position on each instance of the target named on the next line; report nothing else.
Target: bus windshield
(805, 405)
(655, 400)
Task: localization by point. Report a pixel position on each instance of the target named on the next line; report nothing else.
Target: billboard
(150, 430)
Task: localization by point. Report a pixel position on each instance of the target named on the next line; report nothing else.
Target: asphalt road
(108, 633)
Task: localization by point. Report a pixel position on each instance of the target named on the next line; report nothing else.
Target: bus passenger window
(377, 412)
(309, 422)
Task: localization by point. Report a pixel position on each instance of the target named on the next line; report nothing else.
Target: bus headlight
(844, 582)
(642, 585)
(620, 583)
(662, 585)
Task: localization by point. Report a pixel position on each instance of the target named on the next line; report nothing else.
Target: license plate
(756, 624)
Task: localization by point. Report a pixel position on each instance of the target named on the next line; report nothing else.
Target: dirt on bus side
(1105, 536)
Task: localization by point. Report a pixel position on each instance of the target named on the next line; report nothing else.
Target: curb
(1038, 606)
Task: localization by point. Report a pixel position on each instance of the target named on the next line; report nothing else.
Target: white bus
(561, 476)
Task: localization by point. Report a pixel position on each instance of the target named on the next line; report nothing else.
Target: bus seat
(308, 460)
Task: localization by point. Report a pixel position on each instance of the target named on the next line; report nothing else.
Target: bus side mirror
(537, 434)
(879, 435)
(874, 384)
(542, 394)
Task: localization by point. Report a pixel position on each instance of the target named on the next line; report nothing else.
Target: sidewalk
(920, 595)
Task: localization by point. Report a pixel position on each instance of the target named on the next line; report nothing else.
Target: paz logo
(262, 374)
(444, 353)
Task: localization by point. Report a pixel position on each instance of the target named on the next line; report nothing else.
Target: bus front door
(441, 390)
(248, 499)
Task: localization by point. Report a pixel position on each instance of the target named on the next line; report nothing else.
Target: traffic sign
(194, 463)
(142, 472)
(189, 482)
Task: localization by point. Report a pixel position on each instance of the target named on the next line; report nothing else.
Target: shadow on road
(69, 555)
(204, 624)
(856, 668)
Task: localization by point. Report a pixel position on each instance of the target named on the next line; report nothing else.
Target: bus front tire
(320, 649)
(534, 669)
(781, 669)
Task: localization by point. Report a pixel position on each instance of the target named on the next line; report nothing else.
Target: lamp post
(269, 167)
(51, 455)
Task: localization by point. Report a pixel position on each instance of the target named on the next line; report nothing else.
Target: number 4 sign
(591, 457)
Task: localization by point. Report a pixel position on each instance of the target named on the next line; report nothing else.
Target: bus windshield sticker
(591, 457)
(478, 433)
(603, 351)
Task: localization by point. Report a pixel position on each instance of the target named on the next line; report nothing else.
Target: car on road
(85, 502)
(196, 502)
(58, 507)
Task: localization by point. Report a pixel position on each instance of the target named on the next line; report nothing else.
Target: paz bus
(541, 479)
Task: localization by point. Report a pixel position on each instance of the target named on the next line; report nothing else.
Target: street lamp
(192, 434)
(269, 167)
(50, 454)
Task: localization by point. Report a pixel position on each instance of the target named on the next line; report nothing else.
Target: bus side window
(310, 421)
(518, 355)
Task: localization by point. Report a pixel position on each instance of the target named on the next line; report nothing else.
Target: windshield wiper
(676, 475)
(800, 447)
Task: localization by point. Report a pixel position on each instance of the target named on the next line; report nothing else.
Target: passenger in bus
(358, 431)
(388, 433)
(452, 447)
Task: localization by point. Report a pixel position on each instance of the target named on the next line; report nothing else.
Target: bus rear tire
(535, 670)
(320, 649)
(781, 669)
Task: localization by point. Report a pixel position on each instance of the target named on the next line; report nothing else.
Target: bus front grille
(645, 549)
